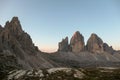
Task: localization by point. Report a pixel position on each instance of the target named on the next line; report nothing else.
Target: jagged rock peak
(95, 44)
(15, 19)
(77, 42)
(76, 34)
(14, 26)
(63, 45)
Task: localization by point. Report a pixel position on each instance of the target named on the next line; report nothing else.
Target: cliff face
(63, 45)
(95, 44)
(17, 43)
(77, 42)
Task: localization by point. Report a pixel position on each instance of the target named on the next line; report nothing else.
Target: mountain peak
(93, 35)
(14, 26)
(95, 44)
(63, 45)
(77, 42)
(15, 18)
(76, 34)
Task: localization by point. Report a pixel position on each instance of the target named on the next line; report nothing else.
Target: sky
(48, 21)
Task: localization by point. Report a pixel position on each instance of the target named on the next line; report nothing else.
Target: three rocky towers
(77, 44)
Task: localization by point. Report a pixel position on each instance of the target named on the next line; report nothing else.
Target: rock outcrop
(77, 42)
(108, 48)
(47, 74)
(95, 44)
(63, 45)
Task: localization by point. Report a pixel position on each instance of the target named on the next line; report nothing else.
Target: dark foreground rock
(100, 73)
(46, 74)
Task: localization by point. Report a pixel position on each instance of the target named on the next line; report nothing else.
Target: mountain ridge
(14, 42)
(77, 44)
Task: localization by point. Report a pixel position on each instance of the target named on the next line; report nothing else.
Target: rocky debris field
(101, 73)
(46, 74)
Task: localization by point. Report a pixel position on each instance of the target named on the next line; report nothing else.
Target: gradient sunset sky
(48, 21)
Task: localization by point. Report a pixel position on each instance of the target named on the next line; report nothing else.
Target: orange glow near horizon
(54, 49)
(48, 49)
(116, 47)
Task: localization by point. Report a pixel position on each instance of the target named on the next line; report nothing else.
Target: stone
(63, 45)
(95, 44)
(77, 42)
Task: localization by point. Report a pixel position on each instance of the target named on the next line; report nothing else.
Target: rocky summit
(77, 42)
(95, 44)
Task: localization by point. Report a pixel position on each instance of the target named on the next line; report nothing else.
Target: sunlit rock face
(95, 44)
(77, 42)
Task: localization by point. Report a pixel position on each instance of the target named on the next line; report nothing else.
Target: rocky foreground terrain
(21, 59)
(103, 73)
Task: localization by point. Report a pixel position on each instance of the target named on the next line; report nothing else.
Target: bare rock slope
(17, 43)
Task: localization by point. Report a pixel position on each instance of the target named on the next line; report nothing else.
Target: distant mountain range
(18, 51)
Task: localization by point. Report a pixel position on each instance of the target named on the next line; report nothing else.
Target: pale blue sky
(48, 21)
